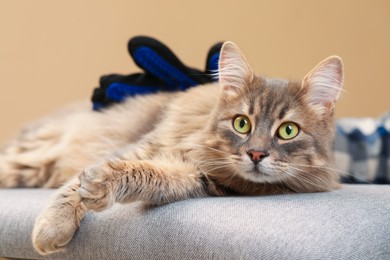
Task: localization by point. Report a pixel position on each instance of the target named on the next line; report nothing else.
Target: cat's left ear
(324, 84)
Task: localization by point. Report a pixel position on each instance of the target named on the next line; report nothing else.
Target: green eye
(242, 124)
(288, 131)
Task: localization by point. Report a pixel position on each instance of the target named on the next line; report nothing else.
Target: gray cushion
(351, 223)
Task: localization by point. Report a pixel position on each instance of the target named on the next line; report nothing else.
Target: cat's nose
(256, 155)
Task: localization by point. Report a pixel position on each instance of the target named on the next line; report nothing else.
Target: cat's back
(139, 115)
(197, 101)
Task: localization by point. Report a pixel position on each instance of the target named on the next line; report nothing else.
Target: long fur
(171, 146)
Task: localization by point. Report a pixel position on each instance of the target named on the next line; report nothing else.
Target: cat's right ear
(234, 71)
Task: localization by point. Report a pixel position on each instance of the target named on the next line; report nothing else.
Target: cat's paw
(54, 228)
(96, 189)
(58, 222)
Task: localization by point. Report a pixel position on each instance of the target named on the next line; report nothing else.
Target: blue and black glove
(163, 71)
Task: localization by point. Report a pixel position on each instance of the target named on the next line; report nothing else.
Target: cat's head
(274, 131)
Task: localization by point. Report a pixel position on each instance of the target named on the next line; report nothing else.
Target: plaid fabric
(362, 149)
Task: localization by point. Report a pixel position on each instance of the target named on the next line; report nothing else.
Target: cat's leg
(29, 159)
(158, 181)
(57, 223)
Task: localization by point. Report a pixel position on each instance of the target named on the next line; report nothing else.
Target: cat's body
(246, 135)
(61, 145)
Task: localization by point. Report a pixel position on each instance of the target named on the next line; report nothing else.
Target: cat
(245, 135)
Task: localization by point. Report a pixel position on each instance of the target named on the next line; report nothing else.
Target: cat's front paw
(52, 233)
(56, 225)
(96, 188)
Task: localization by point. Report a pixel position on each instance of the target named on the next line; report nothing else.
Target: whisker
(211, 148)
(281, 181)
(311, 176)
(209, 170)
(336, 170)
(236, 172)
(304, 180)
(287, 183)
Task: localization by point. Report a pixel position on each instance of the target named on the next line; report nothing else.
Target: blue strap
(119, 91)
(156, 65)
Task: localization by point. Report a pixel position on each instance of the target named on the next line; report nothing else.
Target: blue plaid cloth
(362, 149)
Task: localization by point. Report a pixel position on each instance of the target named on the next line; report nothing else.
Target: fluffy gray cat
(246, 135)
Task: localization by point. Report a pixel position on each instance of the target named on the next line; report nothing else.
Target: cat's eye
(288, 131)
(242, 124)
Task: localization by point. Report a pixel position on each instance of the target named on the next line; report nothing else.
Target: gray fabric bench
(351, 223)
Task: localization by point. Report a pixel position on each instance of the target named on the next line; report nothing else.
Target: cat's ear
(234, 71)
(324, 84)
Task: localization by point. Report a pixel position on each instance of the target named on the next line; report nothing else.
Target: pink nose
(256, 155)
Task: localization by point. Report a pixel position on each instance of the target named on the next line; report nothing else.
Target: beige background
(53, 52)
